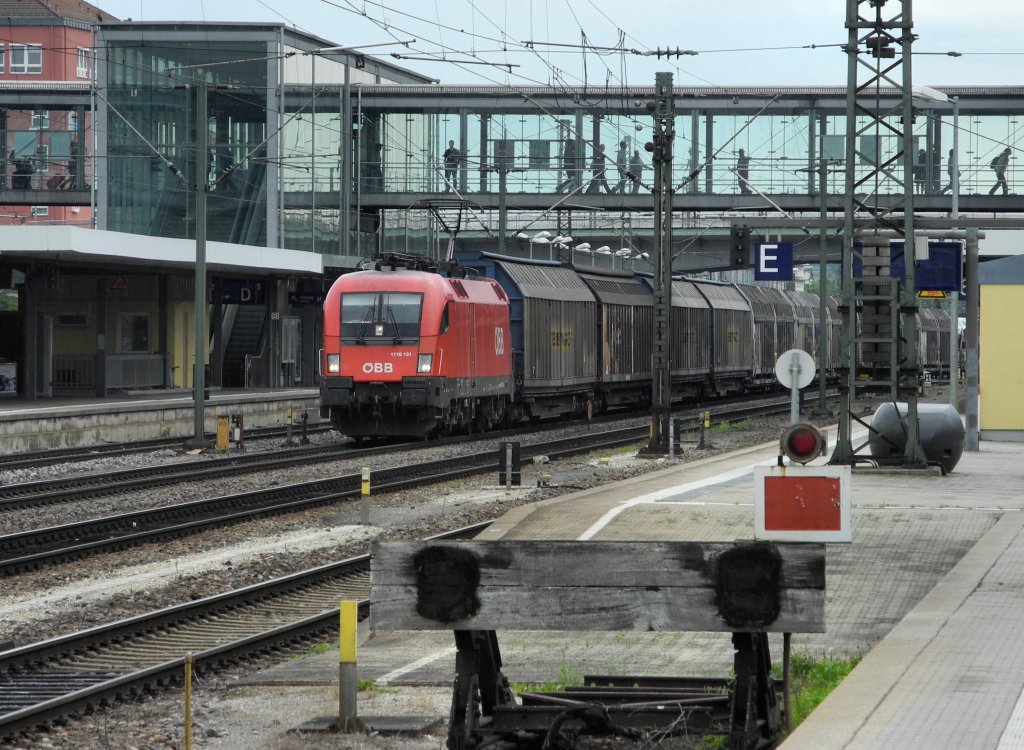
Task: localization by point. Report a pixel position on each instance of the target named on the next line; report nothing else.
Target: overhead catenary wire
(476, 50)
(171, 166)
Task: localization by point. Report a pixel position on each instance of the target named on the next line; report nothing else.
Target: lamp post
(954, 302)
(584, 247)
(560, 244)
(201, 186)
(541, 238)
(198, 439)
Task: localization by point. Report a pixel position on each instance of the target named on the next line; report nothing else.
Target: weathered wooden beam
(638, 586)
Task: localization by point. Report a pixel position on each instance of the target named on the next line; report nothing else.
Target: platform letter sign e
(774, 261)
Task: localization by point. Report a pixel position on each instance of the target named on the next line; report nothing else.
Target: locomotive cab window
(445, 320)
(380, 317)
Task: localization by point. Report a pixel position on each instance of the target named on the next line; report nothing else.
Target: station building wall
(1001, 350)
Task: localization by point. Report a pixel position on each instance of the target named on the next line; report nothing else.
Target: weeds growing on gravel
(567, 677)
(729, 426)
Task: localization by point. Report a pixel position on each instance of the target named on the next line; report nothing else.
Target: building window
(40, 119)
(26, 58)
(3, 57)
(40, 210)
(133, 333)
(83, 63)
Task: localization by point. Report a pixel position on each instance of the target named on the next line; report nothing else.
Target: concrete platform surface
(930, 593)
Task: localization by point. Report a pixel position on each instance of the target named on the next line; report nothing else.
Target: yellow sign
(931, 295)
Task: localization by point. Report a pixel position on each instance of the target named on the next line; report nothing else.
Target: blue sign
(942, 272)
(773, 261)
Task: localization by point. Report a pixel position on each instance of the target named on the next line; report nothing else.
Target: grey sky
(730, 35)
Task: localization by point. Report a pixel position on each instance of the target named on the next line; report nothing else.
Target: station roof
(96, 248)
(1002, 271)
(150, 33)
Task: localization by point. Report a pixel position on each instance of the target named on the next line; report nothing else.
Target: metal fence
(77, 374)
(135, 371)
(74, 374)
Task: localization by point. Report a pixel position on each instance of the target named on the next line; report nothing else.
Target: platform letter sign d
(774, 261)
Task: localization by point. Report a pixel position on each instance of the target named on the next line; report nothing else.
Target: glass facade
(296, 133)
(152, 125)
(589, 149)
(561, 153)
(311, 168)
(275, 106)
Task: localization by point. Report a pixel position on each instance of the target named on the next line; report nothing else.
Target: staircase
(245, 338)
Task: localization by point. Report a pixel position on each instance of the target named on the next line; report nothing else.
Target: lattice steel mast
(881, 356)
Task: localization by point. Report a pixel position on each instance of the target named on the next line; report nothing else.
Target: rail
(36, 548)
(32, 549)
(52, 679)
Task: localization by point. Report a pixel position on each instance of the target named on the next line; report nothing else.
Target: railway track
(29, 550)
(53, 679)
(72, 674)
(39, 547)
(84, 486)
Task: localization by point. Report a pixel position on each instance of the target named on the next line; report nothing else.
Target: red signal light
(802, 443)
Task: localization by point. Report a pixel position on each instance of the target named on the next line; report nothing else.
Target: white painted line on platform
(661, 495)
(394, 674)
(653, 497)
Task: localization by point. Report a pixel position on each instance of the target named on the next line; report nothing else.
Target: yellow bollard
(364, 502)
(188, 701)
(348, 685)
(288, 427)
(223, 433)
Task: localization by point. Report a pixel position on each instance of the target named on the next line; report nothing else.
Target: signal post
(661, 149)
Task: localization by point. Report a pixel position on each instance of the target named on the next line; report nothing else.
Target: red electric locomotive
(413, 352)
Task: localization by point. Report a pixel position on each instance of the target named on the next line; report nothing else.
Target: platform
(41, 424)
(951, 672)
(929, 592)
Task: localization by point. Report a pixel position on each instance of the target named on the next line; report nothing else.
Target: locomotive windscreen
(371, 317)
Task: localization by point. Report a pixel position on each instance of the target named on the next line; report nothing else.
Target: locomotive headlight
(424, 363)
(334, 363)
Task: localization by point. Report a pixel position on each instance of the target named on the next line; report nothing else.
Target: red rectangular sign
(802, 504)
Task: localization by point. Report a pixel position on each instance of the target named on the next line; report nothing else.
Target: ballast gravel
(65, 598)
